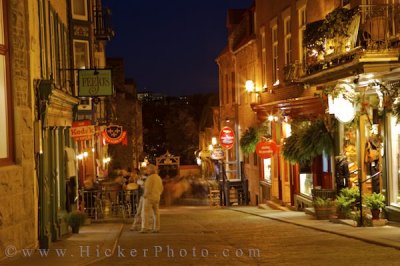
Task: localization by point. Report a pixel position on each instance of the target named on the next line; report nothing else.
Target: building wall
(18, 212)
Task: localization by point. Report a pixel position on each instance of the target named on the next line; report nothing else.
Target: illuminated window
(6, 129)
(81, 54)
(267, 170)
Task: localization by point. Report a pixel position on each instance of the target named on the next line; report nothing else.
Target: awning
(308, 106)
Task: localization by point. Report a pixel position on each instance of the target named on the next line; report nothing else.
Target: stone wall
(18, 211)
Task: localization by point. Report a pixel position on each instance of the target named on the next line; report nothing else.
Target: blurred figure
(137, 221)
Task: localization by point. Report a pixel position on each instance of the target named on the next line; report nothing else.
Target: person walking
(153, 188)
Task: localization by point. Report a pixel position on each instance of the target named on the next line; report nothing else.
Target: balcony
(349, 39)
(102, 20)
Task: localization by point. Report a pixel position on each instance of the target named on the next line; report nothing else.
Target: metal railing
(102, 19)
(109, 203)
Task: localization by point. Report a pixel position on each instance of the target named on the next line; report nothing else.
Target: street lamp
(249, 85)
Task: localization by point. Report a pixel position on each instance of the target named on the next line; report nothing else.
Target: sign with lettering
(227, 137)
(217, 154)
(266, 149)
(82, 132)
(95, 82)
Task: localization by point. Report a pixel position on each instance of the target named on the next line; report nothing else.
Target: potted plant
(75, 219)
(323, 207)
(346, 201)
(375, 202)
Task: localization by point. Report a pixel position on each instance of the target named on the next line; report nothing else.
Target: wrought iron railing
(109, 203)
(102, 20)
(293, 72)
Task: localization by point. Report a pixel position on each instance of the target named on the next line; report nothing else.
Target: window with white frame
(288, 41)
(6, 128)
(274, 53)
(302, 27)
(79, 9)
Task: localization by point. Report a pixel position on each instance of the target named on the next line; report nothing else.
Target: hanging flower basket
(308, 140)
(249, 140)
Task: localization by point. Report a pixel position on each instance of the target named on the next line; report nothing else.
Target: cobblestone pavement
(222, 236)
(212, 236)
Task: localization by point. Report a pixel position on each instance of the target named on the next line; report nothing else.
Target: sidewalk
(92, 244)
(387, 235)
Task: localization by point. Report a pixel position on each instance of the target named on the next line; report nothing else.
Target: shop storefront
(282, 180)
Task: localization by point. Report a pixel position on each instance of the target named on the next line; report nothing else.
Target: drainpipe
(359, 174)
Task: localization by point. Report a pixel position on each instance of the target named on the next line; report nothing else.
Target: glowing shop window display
(306, 183)
(267, 170)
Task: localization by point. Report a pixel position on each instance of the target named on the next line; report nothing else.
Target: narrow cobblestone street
(204, 236)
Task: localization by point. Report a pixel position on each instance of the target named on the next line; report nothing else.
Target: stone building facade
(18, 178)
(37, 103)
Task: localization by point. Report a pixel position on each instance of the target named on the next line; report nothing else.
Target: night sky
(170, 46)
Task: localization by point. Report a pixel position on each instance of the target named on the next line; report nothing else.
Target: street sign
(227, 138)
(217, 154)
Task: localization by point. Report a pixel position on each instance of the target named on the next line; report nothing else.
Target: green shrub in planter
(346, 201)
(75, 219)
(323, 207)
(375, 201)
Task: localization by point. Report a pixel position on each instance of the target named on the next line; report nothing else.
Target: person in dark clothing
(342, 173)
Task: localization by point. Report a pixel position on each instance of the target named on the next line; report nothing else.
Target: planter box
(323, 213)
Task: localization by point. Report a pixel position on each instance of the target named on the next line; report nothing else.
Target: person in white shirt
(153, 187)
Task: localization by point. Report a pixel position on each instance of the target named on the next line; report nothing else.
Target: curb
(114, 246)
(371, 241)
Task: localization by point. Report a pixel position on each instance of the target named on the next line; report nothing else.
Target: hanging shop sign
(115, 135)
(82, 132)
(95, 82)
(227, 137)
(266, 149)
(217, 154)
(81, 123)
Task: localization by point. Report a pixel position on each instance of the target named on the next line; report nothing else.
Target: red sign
(227, 138)
(114, 135)
(81, 123)
(266, 149)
